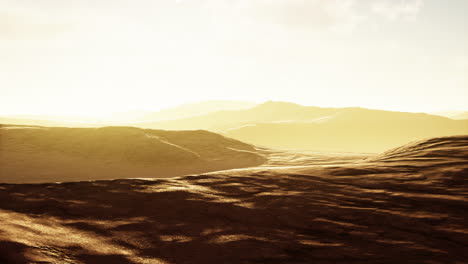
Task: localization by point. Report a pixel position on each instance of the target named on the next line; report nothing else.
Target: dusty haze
(233, 131)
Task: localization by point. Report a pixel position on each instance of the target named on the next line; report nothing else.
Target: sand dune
(292, 126)
(41, 154)
(407, 205)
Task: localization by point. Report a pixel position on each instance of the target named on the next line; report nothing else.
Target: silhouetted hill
(40, 154)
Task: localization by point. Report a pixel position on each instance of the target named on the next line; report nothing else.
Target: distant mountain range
(129, 117)
(196, 109)
(293, 126)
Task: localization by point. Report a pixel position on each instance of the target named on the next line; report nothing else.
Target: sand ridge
(48, 154)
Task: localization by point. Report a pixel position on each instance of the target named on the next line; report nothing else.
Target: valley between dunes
(406, 205)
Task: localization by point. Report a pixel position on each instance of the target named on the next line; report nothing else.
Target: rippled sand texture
(408, 205)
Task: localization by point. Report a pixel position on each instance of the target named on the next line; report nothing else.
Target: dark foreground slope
(45, 154)
(406, 206)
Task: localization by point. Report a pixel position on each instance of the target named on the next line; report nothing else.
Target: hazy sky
(92, 57)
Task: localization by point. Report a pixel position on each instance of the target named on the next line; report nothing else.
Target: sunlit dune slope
(428, 150)
(40, 154)
(292, 126)
(405, 206)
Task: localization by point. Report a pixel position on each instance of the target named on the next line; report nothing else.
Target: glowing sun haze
(94, 57)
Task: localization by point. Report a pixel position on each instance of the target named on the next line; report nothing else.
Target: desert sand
(407, 205)
(49, 154)
(233, 132)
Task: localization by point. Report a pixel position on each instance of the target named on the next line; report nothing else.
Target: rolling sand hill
(42, 154)
(291, 126)
(408, 205)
